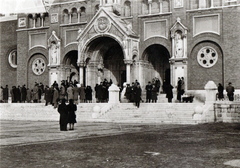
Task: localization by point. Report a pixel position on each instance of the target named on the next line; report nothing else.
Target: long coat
(70, 92)
(63, 111)
(169, 93)
(137, 92)
(82, 93)
(75, 93)
(154, 93)
(149, 91)
(71, 113)
(24, 93)
(55, 96)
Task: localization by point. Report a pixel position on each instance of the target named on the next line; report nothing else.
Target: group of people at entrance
(133, 93)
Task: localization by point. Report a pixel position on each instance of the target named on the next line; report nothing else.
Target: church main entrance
(104, 60)
(157, 57)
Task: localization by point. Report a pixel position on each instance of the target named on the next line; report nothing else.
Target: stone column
(70, 17)
(113, 94)
(128, 69)
(184, 46)
(34, 20)
(81, 76)
(78, 15)
(150, 6)
(42, 19)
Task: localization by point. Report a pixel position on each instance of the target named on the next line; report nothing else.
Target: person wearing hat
(230, 91)
(149, 88)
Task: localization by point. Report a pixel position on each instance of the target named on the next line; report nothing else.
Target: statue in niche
(178, 44)
(54, 52)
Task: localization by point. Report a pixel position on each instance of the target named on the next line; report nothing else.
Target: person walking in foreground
(71, 114)
(63, 111)
(230, 91)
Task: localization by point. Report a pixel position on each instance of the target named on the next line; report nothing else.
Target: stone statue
(178, 45)
(54, 53)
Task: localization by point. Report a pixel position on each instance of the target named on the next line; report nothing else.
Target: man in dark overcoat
(63, 111)
(23, 93)
(169, 92)
(137, 95)
(5, 94)
(230, 91)
(149, 92)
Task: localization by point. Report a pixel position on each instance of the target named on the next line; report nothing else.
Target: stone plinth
(211, 90)
(113, 94)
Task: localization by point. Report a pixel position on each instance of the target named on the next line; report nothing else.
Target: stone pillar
(128, 69)
(113, 94)
(211, 90)
(81, 76)
(34, 20)
(161, 7)
(150, 6)
(42, 19)
(208, 109)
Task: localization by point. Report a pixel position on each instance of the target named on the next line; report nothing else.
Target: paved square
(41, 144)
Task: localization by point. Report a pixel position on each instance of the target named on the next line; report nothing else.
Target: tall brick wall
(8, 43)
(231, 44)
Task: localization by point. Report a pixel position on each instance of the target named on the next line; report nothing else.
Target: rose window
(207, 57)
(38, 66)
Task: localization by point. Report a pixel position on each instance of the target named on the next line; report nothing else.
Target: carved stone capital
(81, 64)
(128, 62)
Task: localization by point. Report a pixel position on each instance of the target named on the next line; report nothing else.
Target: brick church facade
(124, 40)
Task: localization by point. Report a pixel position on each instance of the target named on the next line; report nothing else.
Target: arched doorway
(104, 60)
(71, 67)
(157, 57)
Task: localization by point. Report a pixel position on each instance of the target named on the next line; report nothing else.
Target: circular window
(12, 58)
(207, 57)
(38, 66)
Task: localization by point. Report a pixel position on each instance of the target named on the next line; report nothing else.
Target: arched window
(12, 58)
(155, 6)
(74, 15)
(166, 7)
(145, 7)
(30, 21)
(127, 8)
(65, 16)
(83, 14)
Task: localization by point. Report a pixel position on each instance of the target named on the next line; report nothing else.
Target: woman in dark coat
(71, 114)
(169, 93)
(63, 111)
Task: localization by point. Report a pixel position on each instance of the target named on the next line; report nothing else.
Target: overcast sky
(21, 6)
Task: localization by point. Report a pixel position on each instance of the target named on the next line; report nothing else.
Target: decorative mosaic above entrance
(38, 66)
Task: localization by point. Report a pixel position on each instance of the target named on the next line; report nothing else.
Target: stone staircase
(174, 113)
(166, 113)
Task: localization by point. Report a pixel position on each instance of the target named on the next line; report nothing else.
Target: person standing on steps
(149, 92)
(137, 95)
(169, 93)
